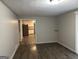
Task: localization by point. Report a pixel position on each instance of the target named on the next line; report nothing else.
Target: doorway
(28, 31)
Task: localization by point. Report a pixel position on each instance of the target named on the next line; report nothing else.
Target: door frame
(21, 30)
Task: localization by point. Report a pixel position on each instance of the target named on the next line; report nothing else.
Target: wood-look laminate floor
(44, 51)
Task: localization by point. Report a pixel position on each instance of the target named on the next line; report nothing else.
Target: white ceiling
(40, 7)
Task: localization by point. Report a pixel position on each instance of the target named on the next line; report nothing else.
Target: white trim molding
(16, 47)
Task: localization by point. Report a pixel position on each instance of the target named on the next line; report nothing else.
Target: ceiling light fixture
(56, 1)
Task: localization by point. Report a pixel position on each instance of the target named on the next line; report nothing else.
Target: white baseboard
(67, 47)
(16, 47)
(45, 42)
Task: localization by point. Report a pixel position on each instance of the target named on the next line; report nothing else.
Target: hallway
(44, 51)
(28, 40)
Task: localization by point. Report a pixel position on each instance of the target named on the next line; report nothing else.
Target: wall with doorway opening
(45, 29)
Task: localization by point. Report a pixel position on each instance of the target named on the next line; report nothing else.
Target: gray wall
(9, 34)
(67, 23)
(45, 30)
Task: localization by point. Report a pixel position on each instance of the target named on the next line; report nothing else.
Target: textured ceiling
(25, 8)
